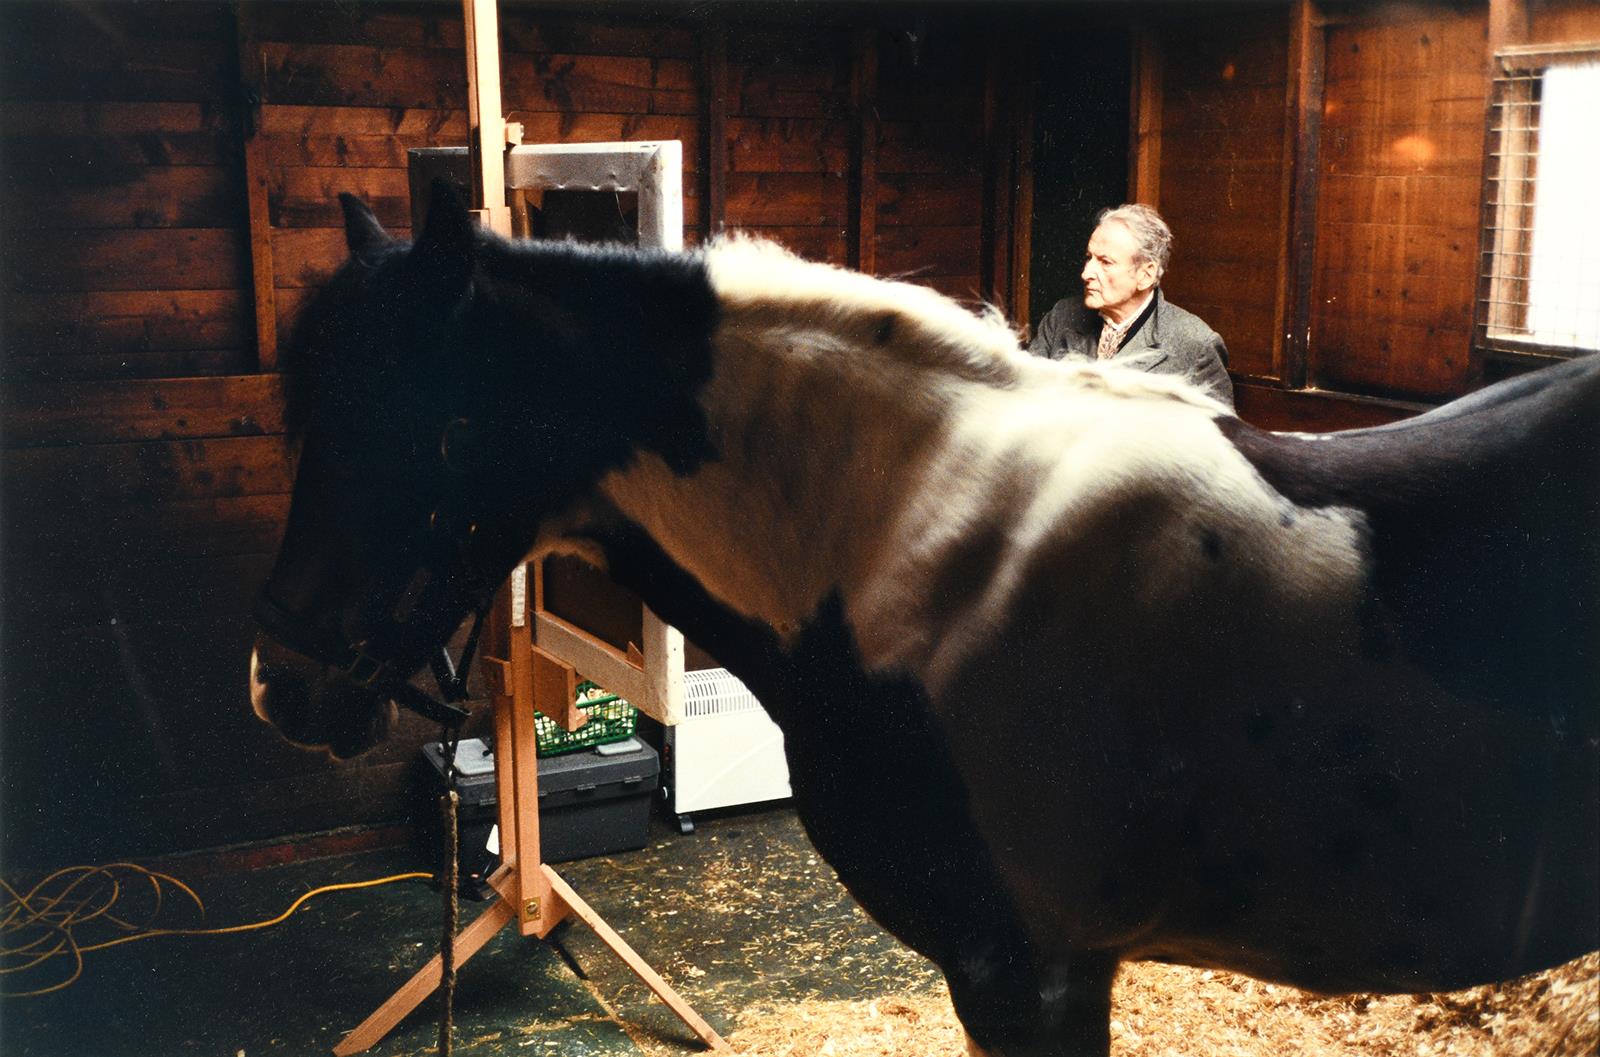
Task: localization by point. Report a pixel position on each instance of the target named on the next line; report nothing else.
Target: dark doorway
(1080, 151)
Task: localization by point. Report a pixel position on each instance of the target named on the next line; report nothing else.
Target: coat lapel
(1143, 351)
(1085, 336)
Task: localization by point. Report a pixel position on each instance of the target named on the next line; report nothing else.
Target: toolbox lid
(593, 771)
(619, 769)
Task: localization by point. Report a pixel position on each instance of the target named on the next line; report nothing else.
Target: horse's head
(390, 541)
(451, 396)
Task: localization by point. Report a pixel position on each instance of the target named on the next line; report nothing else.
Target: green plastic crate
(610, 719)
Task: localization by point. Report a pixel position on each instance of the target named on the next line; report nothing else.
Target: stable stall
(1380, 207)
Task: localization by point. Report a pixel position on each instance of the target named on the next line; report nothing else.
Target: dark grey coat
(1169, 341)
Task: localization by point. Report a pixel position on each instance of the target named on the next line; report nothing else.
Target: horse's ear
(362, 232)
(448, 238)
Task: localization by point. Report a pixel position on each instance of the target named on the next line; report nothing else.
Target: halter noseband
(377, 674)
(361, 667)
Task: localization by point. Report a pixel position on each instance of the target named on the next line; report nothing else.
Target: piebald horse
(1073, 666)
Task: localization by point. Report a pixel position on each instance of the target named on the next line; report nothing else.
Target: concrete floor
(738, 913)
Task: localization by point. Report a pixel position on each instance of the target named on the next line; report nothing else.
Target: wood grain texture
(112, 322)
(1224, 80)
(63, 260)
(916, 252)
(788, 145)
(43, 415)
(81, 476)
(1304, 411)
(107, 52)
(1395, 274)
(830, 245)
(1563, 21)
(930, 199)
(146, 474)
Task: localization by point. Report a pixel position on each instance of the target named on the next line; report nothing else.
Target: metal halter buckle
(364, 670)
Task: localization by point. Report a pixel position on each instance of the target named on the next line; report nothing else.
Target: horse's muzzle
(313, 705)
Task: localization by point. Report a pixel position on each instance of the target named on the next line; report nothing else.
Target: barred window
(1539, 291)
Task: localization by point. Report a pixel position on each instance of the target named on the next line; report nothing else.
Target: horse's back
(1484, 535)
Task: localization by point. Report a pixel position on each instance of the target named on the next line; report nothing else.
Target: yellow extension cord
(39, 926)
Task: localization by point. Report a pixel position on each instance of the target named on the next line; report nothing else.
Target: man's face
(1111, 278)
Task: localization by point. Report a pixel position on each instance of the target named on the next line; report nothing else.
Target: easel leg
(528, 892)
(633, 961)
(468, 942)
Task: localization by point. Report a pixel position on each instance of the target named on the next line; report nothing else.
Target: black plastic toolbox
(593, 802)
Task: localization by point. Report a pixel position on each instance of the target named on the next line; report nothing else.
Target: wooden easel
(521, 677)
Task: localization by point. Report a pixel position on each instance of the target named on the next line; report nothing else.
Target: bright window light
(1564, 266)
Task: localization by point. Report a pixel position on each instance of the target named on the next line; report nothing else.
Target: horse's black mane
(639, 291)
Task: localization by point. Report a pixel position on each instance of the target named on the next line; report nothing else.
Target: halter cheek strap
(376, 673)
(361, 668)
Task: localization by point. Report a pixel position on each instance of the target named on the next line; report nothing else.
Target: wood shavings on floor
(1175, 1011)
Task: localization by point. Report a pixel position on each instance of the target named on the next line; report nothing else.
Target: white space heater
(724, 751)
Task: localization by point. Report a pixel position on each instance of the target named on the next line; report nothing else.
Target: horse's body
(1072, 666)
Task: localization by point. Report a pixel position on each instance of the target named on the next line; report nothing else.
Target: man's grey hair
(1149, 231)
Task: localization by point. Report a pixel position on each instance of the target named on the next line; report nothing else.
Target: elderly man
(1122, 316)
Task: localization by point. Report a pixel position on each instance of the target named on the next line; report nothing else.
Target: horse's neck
(821, 445)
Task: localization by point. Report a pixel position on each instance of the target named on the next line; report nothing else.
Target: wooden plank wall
(145, 474)
(1395, 275)
(1389, 144)
(151, 206)
(1223, 81)
(1403, 118)
(143, 484)
(931, 157)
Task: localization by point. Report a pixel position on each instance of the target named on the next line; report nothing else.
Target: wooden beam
(633, 961)
(714, 140)
(863, 216)
(600, 661)
(1022, 184)
(501, 682)
(249, 60)
(485, 114)
(423, 983)
(1508, 24)
(1144, 141)
(555, 691)
(999, 172)
(1507, 158)
(537, 914)
(1303, 134)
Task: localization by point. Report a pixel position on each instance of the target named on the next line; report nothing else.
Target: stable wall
(168, 175)
(168, 202)
(1321, 165)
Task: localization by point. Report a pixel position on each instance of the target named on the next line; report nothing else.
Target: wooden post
(1144, 146)
(1508, 157)
(714, 146)
(1307, 48)
(485, 114)
(529, 892)
(1022, 187)
(1007, 222)
(249, 57)
(555, 689)
(468, 942)
(631, 959)
(863, 224)
(1508, 24)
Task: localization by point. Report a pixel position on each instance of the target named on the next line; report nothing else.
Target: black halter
(378, 674)
(358, 664)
